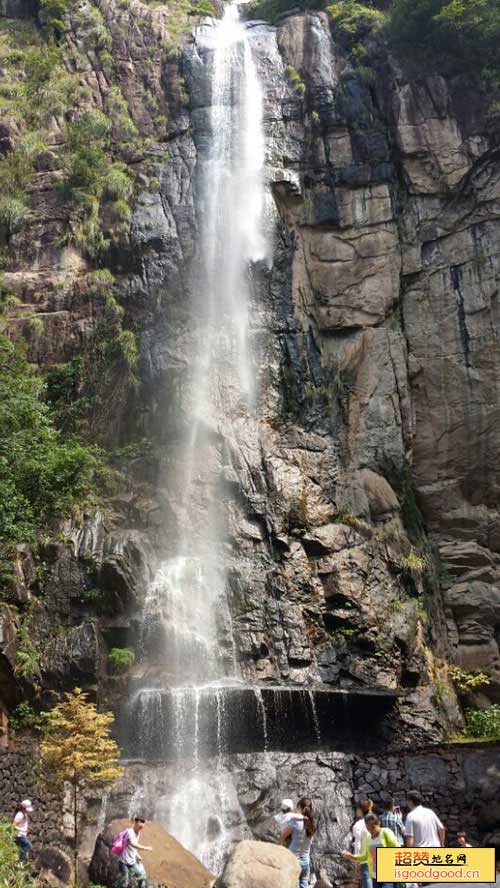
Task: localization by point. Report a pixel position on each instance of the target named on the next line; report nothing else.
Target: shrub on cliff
(95, 183)
(41, 473)
(120, 659)
(454, 36)
(353, 22)
(483, 724)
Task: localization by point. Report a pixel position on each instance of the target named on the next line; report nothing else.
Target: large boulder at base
(169, 863)
(54, 868)
(260, 865)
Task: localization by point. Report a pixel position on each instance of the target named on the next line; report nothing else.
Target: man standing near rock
(423, 828)
(130, 859)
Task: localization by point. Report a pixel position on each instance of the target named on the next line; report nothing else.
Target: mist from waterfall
(187, 604)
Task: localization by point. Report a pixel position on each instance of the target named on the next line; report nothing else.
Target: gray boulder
(260, 865)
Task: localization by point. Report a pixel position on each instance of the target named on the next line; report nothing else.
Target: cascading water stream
(187, 602)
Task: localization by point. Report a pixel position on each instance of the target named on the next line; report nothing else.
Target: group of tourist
(422, 828)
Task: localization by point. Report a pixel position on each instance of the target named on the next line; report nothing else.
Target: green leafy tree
(120, 659)
(483, 724)
(78, 750)
(41, 473)
(353, 21)
(55, 12)
(454, 36)
(203, 7)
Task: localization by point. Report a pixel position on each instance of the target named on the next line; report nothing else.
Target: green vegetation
(42, 473)
(54, 13)
(124, 128)
(344, 515)
(353, 22)
(483, 724)
(78, 391)
(99, 187)
(295, 80)
(341, 635)
(465, 682)
(34, 86)
(63, 385)
(453, 36)
(413, 562)
(24, 716)
(12, 873)
(447, 36)
(202, 8)
(121, 659)
(27, 664)
(422, 608)
(270, 10)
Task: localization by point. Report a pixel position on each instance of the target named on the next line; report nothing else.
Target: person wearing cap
(284, 816)
(21, 826)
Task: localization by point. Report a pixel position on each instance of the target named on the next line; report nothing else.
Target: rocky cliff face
(362, 518)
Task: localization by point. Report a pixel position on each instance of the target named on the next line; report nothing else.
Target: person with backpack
(127, 846)
(21, 826)
(377, 837)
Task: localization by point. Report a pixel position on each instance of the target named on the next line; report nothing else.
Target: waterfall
(187, 605)
(262, 715)
(314, 717)
(232, 232)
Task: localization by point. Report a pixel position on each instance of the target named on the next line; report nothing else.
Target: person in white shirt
(286, 813)
(130, 860)
(21, 827)
(423, 828)
(359, 836)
